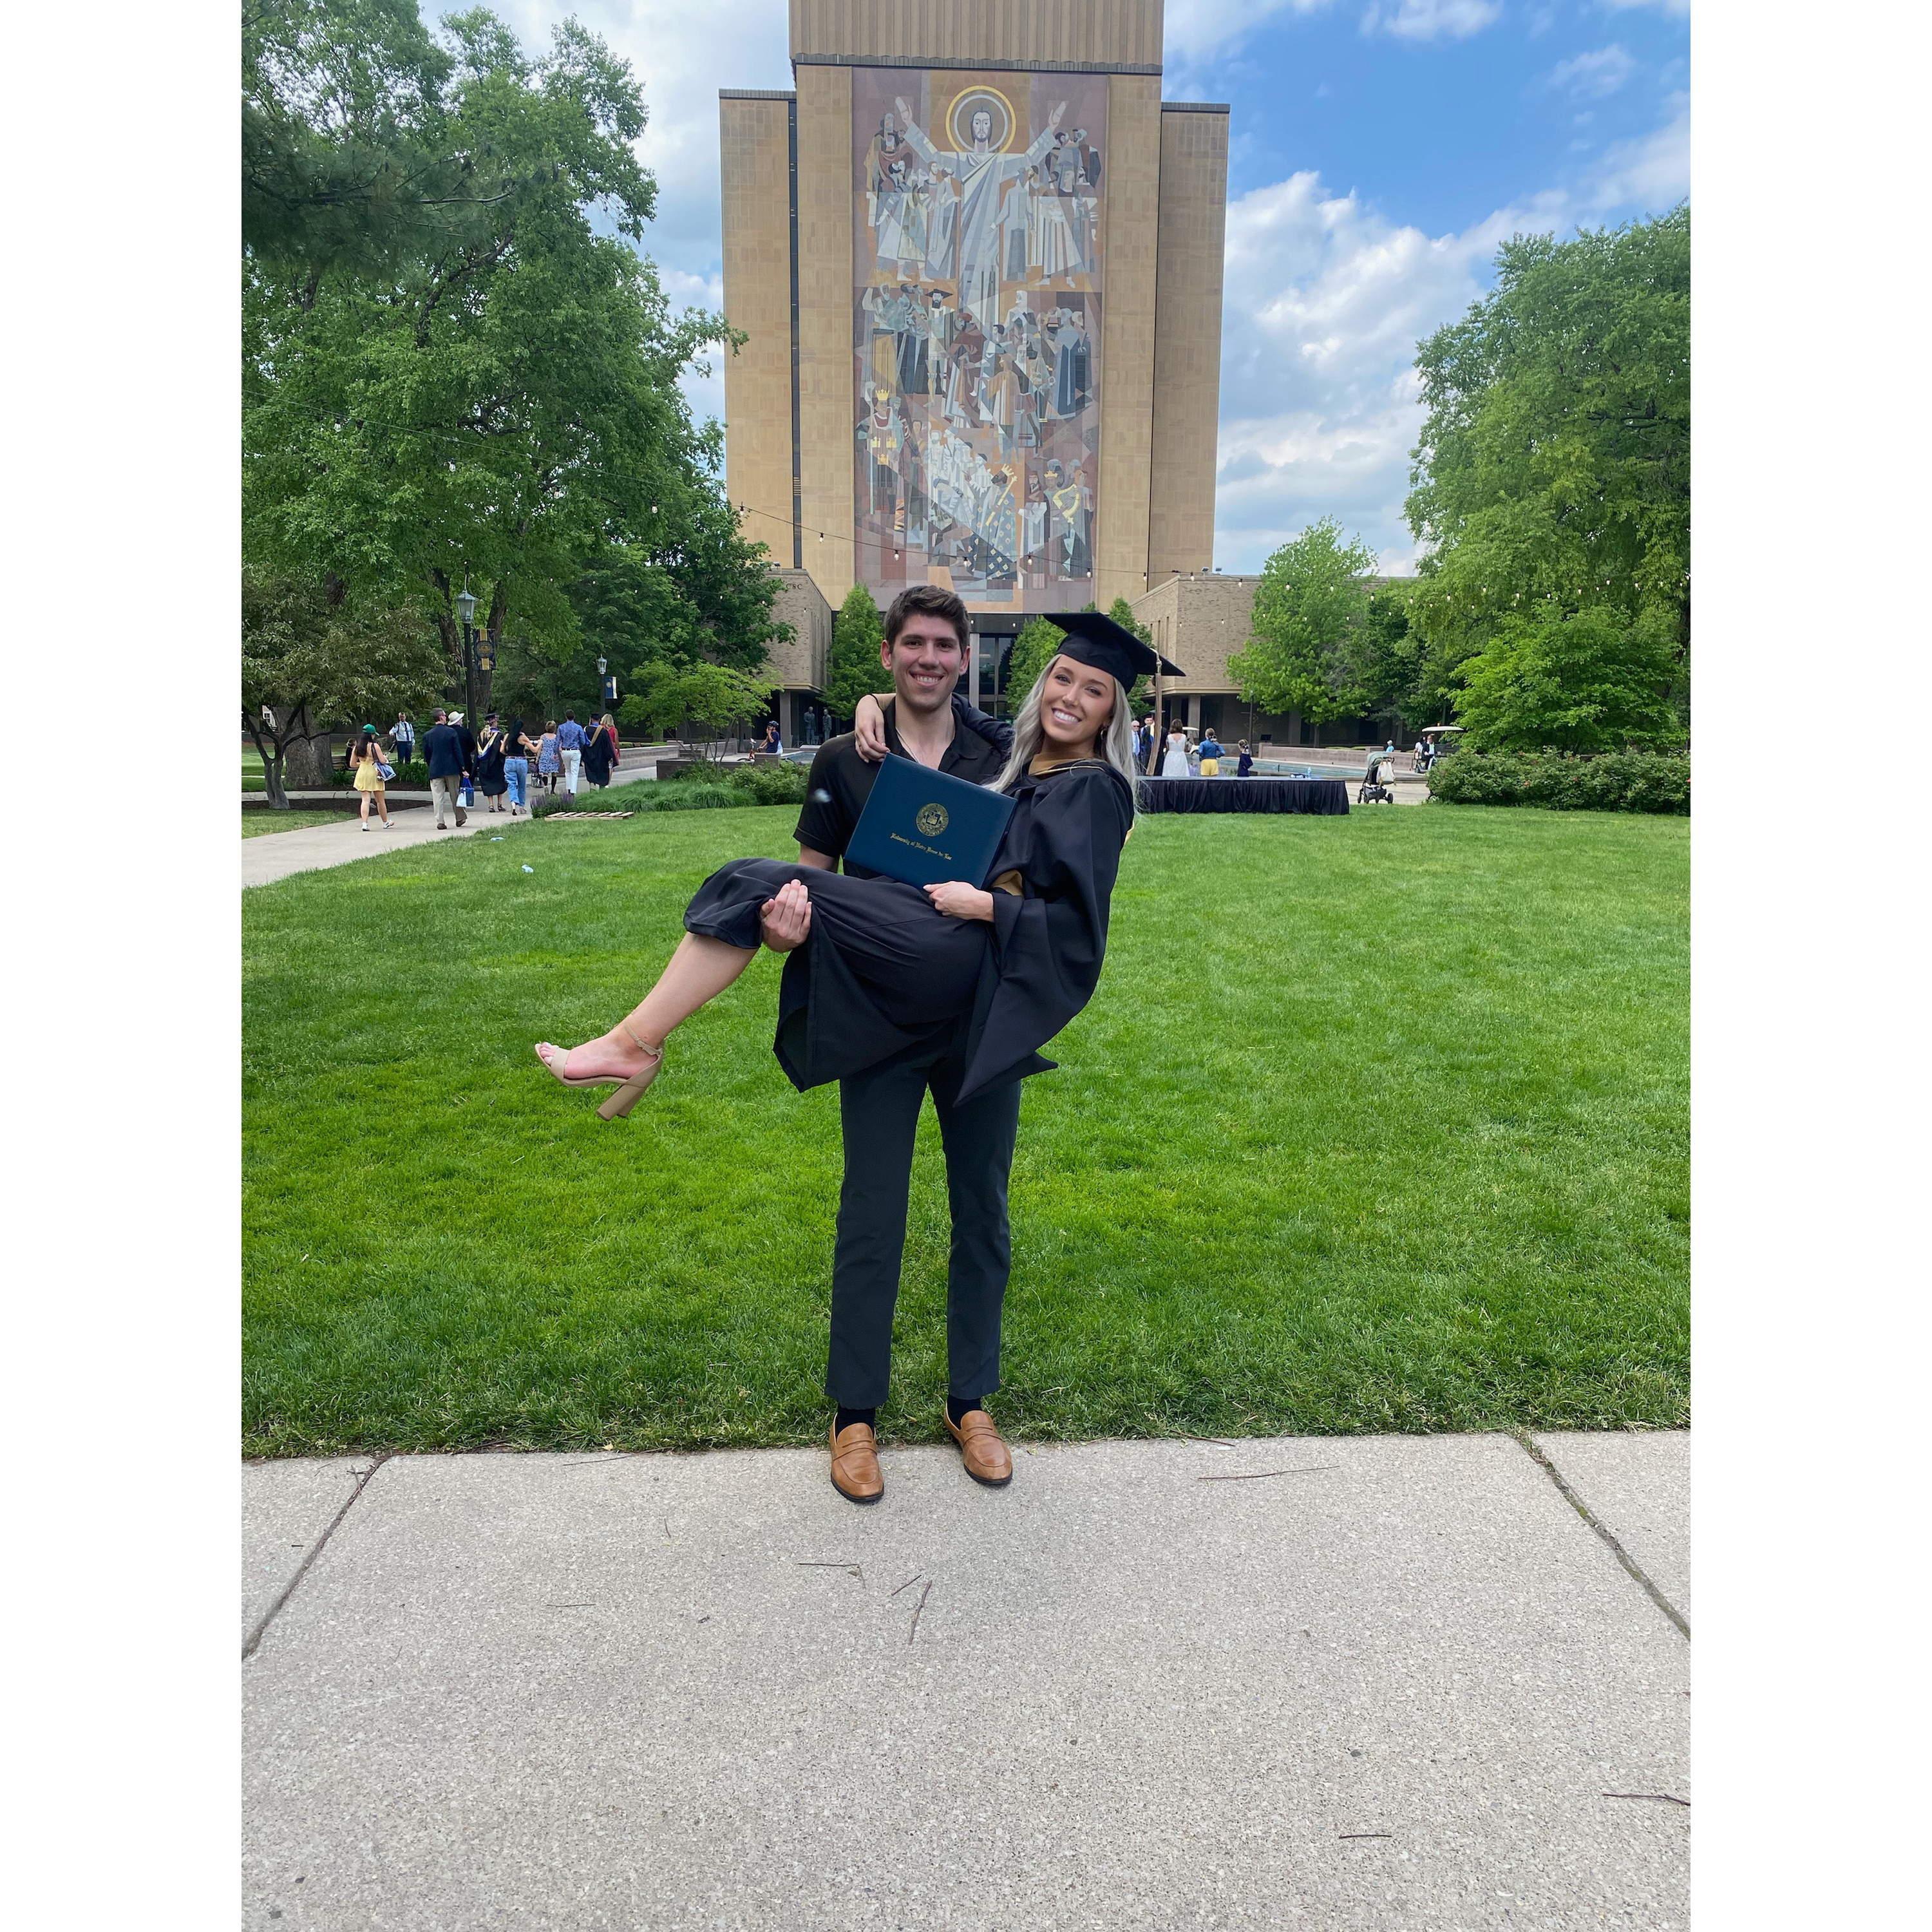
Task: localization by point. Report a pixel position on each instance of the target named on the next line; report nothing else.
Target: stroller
(1372, 790)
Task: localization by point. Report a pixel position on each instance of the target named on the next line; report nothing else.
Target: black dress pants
(879, 1111)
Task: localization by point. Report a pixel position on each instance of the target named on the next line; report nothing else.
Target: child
(1245, 768)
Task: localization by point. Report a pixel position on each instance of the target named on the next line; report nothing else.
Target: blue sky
(1380, 149)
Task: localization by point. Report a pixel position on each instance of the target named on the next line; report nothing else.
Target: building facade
(978, 262)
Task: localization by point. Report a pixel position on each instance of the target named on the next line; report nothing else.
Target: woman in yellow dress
(365, 757)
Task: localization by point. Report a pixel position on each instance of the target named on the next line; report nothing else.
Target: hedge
(1610, 782)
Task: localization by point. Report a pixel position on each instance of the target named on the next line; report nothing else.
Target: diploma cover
(926, 827)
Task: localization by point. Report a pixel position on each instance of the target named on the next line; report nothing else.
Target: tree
(500, 402)
(1034, 649)
(1140, 692)
(715, 698)
(310, 656)
(1554, 467)
(1584, 681)
(852, 665)
(1313, 596)
(1383, 663)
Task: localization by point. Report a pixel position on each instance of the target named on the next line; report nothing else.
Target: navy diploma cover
(926, 827)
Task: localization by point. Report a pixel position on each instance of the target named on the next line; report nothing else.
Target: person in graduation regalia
(879, 973)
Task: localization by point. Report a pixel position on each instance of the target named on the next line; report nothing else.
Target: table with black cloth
(1328, 797)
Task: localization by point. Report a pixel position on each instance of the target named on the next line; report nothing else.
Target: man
(442, 746)
(924, 649)
(570, 742)
(405, 737)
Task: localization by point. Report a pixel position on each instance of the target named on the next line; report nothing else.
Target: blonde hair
(1115, 745)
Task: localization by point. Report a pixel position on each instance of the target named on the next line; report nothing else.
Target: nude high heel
(628, 1093)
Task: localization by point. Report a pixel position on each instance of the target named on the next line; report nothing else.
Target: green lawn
(1376, 1123)
(254, 824)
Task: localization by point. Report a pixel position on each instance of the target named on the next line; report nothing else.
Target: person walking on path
(467, 738)
(366, 760)
(892, 990)
(1175, 765)
(404, 737)
(491, 749)
(549, 759)
(600, 752)
(1210, 755)
(517, 751)
(442, 750)
(570, 742)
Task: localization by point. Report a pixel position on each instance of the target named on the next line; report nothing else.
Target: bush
(755, 784)
(413, 776)
(1611, 781)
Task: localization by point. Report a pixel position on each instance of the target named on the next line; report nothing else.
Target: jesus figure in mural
(980, 174)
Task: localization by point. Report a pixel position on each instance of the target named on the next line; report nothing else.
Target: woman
(550, 759)
(600, 752)
(876, 968)
(517, 751)
(491, 750)
(1175, 765)
(367, 761)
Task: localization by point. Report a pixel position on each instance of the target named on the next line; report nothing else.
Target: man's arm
(997, 732)
(821, 861)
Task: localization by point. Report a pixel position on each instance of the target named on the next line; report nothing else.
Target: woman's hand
(784, 919)
(957, 900)
(868, 729)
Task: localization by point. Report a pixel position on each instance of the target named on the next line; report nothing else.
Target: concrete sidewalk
(1373, 1682)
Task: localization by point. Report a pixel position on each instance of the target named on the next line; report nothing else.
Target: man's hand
(784, 919)
(868, 729)
(957, 900)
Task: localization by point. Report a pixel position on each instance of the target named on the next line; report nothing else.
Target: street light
(466, 613)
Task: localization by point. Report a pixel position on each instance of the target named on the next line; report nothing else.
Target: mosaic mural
(977, 279)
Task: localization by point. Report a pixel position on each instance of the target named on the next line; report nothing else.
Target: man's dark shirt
(443, 750)
(841, 782)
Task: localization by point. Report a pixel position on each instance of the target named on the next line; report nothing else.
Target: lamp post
(466, 613)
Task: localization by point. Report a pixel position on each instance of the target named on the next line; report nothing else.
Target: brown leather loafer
(855, 1462)
(985, 1455)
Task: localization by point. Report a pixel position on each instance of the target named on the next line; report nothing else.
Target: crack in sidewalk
(275, 1609)
(1535, 1451)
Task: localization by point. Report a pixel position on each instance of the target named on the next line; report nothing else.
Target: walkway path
(1362, 1682)
(275, 855)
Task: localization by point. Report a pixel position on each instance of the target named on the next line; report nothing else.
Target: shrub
(756, 784)
(413, 776)
(1611, 781)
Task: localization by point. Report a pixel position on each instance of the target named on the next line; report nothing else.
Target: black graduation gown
(597, 756)
(884, 974)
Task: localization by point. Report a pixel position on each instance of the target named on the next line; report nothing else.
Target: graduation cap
(1093, 638)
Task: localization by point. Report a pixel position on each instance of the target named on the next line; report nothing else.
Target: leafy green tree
(312, 658)
(852, 666)
(1383, 662)
(1589, 680)
(719, 700)
(1034, 649)
(1554, 467)
(1141, 690)
(500, 404)
(1312, 597)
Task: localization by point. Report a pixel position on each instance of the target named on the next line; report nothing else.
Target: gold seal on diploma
(932, 820)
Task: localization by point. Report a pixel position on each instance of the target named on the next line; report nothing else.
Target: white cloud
(1196, 30)
(1652, 172)
(1594, 76)
(1433, 20)
(1325, 300)
(1681, 8)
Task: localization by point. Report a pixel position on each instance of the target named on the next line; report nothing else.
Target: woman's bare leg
(698, 971)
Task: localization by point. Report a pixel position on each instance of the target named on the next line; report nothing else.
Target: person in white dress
(1175, 764)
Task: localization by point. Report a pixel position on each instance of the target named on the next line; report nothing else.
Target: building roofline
(1195, 107)
(988, 66)
(756, 94)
